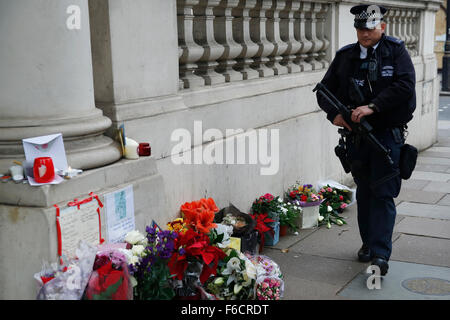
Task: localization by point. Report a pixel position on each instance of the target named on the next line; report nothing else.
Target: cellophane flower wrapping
(69, 285)
(267, 270)
(110, 279)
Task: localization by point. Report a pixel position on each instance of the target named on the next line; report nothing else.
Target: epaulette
(349, 46)
(394, 40)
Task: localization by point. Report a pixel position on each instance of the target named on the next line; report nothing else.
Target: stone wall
(161, 65)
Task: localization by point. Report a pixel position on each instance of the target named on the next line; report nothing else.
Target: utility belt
(408, 153)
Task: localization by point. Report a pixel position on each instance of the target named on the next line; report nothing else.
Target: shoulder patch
(349, 46)
(394, 40)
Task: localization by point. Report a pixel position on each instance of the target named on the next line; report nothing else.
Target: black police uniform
(391, 88)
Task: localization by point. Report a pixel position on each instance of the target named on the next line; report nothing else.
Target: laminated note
(119, 214)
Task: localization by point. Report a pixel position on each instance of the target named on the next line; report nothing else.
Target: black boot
(364, 254)
(382, 263)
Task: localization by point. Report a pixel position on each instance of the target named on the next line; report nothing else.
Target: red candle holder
(43, 170)
(144, 149)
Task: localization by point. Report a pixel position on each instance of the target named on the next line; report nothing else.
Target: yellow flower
(176, 225)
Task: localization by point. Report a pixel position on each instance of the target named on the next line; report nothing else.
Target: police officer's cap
(368, 16)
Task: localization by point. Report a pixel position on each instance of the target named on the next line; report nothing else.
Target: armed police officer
(375, 77)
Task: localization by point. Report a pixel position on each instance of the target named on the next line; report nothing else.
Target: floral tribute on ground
(199, 255)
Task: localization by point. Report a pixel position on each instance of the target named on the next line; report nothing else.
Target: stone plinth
(28, 218)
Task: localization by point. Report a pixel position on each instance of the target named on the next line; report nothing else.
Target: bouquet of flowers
(148, 264)
(269, 279)
(335, 201)
(267, 204)
(269, 288)
(300, 194)
(110, 279)
(235, 278)
(196, 253)
(288, 215)
(338, 199)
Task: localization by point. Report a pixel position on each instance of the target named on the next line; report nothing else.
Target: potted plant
(288, 217)
(266, 213)
(306, 197)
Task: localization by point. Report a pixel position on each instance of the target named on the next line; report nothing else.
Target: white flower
(237, 288)
(138, 250)
(295, 208)
(233, 267)
(227, 231)
(321, 218)
(250, 269)
(218, 281)
(126, 252)
(133, 260)
(329, 209)
(134, 237)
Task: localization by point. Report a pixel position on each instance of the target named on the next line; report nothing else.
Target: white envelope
(46, 146)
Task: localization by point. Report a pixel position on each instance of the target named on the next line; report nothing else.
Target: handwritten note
(119, 214)
(79, 224)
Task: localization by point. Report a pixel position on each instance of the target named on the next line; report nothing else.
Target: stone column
(46, 83)
(135, 57)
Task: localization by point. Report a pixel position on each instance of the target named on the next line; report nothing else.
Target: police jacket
(394, 91)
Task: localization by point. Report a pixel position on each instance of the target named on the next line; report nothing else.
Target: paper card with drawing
(119, 214)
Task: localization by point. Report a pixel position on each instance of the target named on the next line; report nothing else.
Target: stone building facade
(155, 66)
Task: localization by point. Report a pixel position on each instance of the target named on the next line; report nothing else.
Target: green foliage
(154, 285)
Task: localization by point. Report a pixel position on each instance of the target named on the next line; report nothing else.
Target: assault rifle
(363, 129)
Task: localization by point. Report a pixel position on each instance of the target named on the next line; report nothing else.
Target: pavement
(322, 263)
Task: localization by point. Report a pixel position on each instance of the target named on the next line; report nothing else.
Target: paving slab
(302, 289)
(434, 154)
(404, 281)
(291, 239)
(411, 195)
(439, 149)
(419, 249)
(338, 242)
(433, 168)
(445, 201)
(438, 187)
(415, 184)
(424, 227)
(423, 210)
(433, 160)
(335, 272)
(431, 176)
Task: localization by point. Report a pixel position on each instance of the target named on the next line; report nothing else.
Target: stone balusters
(300, 35)
(204, 35)
(287, 34)
(321, 33)
(403, 24)
(233, 40)
(191, 51)
(311, 31)
(223, 33)
(241, 32)
(259, 36)
(273, 35)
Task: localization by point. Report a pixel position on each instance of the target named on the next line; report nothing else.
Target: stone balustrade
(233, 40)
(404, 23)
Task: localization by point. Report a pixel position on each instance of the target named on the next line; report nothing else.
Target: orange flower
(200, 214)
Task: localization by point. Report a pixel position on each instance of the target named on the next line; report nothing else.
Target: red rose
(303, 198)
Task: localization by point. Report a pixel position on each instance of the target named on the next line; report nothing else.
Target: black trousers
(375, 203)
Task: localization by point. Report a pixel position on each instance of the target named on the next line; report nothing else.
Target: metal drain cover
(427, 286)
